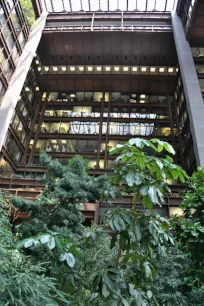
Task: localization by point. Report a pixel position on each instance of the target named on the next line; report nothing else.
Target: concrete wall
(191, 86)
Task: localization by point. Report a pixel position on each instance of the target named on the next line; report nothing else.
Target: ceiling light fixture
(134, 68)
(55, 68)
(64, 68)
(116, 68)
(152, 69)
(125, 68)
(46, 68)
(142, 96)
(37, 88)
(143, 69)
(98, 68)
(108, 69)
(72, 68)
(161, 69)
(81, 68)
(90, 68)
(170, 69)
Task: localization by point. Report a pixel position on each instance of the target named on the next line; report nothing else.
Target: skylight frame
(76, 6)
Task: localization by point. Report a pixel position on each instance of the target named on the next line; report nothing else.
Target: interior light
(46, 68)
(54, 141)
(64, 68)
(81, 68)
(72, 95)
(55, 68)
(177, 69)
(35, 55)
(39, 68)
(37, 62)
(37, 88)
(107, 68)
(143, 69)
(98, 68)
(63, 141)
(90, 68)
(161, 69)
(152, 69)
(72, 68)
(116, 68)
(134, 68)
(142, 96)
(19, 98)
(125, 68)
(27, 89)
(170, 69)
(142, 101)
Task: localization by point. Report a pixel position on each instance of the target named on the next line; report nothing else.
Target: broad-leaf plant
(139, 234)
(189, 229)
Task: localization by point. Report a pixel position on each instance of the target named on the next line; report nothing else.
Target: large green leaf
(45, 238)
(51, 243)
(147, 202)
(70, 260)
(152, 193)
(28, 242)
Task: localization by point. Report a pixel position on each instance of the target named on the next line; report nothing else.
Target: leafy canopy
(139, 236)
(189, 229)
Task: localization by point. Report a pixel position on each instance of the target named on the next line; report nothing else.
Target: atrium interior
(89, 75)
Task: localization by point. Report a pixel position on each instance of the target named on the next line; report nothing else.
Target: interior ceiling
(122, 83)
(54, 6)
(107, 48)
(196, 33)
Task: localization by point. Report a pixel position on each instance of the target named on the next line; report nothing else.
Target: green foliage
(189, 230)
(126, 261)
(140, 235)
(171, 287)
(21, 282)
(144, 175)
(28, 11)
(55, 233)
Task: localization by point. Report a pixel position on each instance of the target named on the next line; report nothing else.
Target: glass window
(2, 89)
(2, 16)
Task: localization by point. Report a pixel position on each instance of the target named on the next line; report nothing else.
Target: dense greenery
(21, 282)
(28, 11)
(131, 259)
(189, 231)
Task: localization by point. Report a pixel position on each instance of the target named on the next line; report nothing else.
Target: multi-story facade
(92, 74)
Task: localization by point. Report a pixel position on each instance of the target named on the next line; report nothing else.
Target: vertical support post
(38, 130)
(97, 213)
(179, 133)
(100, 130)
(170, 119)
(107, 133)
(31, 130)
(194, 100)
